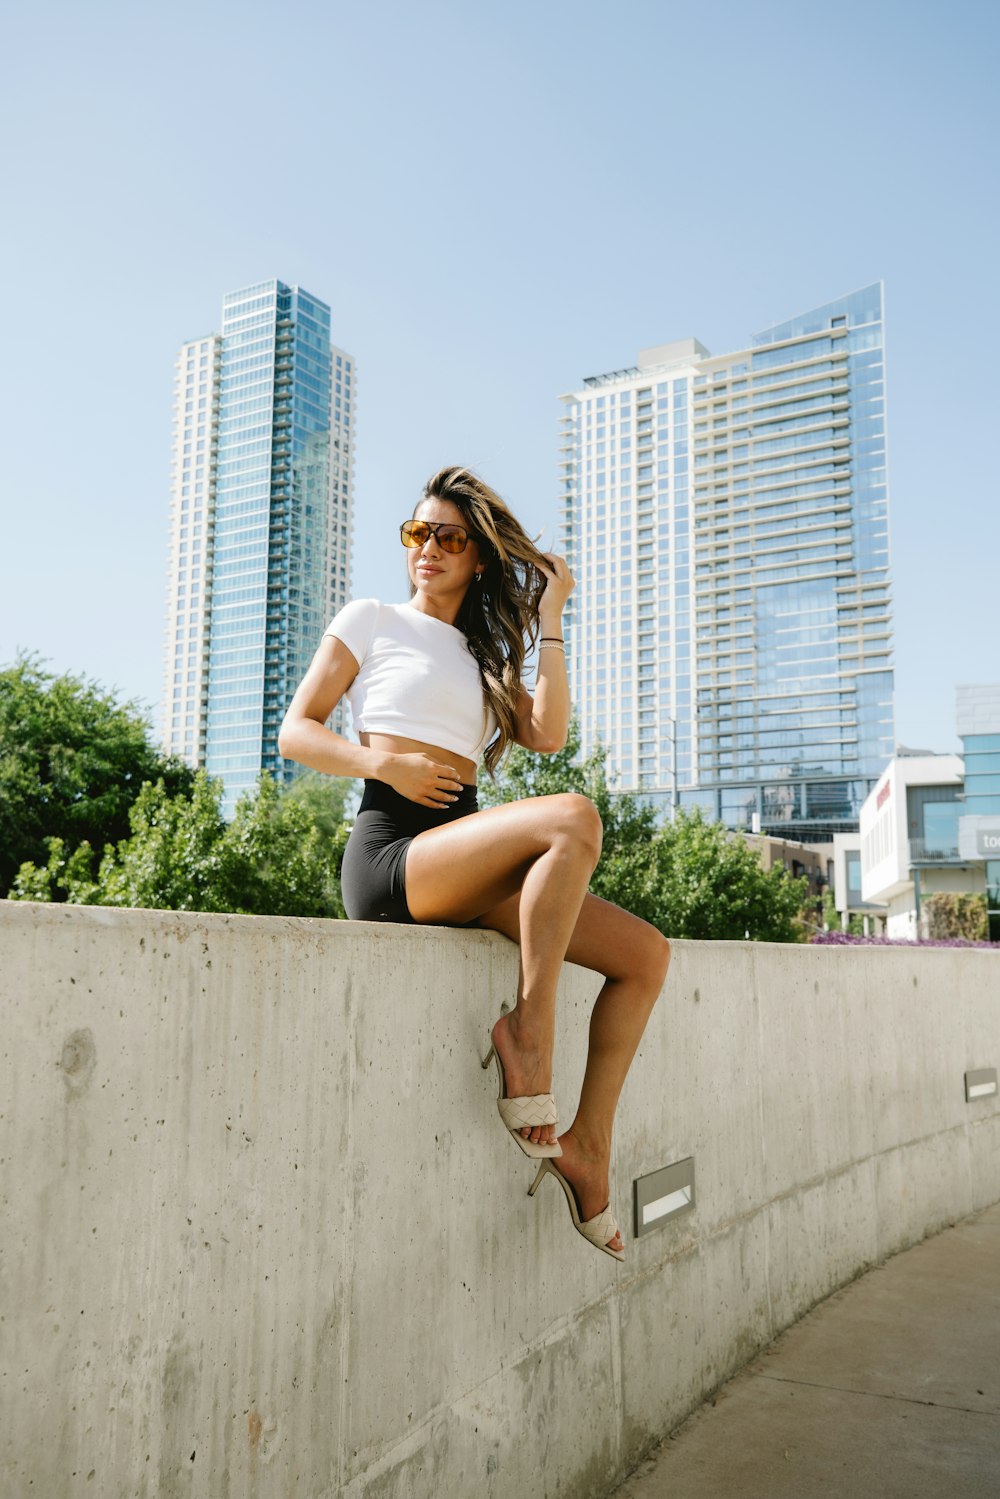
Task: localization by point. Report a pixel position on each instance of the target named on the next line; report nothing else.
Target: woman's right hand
(423, 780)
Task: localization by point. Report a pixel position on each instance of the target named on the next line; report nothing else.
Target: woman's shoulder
(354, 624)
(357, 609)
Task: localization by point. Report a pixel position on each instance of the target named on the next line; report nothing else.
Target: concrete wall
(264, 1235)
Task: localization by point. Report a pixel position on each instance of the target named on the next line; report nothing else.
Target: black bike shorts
(373, 876)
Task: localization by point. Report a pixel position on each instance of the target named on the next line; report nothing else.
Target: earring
(479, 577)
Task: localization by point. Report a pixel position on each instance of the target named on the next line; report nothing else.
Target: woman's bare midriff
(464, 769)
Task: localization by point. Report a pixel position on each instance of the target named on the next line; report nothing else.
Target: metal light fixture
(980, 1084)
(662, 1194)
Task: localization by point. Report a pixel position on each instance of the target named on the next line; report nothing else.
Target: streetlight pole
(674, 799)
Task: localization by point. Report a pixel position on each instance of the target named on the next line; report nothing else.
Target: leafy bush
(280, 855)
(72, 762)
(954, 914)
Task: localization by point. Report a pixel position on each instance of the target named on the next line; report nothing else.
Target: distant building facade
(978, 724)
(845, 879)
(932, 824)
(189, 570)
(726, 519)
(261, 522)
(909, 840)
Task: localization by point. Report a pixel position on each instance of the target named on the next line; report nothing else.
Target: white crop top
(417, 678)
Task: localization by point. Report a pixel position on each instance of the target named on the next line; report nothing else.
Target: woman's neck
(445, 610)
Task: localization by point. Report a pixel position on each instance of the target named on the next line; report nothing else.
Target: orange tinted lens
(414, 533)
(451, 538)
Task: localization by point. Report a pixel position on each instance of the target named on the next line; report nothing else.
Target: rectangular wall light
(981, 1084)
(662, 1194)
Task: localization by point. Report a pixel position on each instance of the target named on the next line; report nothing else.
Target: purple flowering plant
(846, 939)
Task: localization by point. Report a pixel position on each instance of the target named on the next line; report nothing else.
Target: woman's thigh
(456, 872)
(606, 939)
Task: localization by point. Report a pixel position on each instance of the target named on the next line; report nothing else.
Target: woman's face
(433, 571)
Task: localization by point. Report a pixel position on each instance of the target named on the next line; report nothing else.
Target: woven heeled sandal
(524, 1113)
(598, 1230)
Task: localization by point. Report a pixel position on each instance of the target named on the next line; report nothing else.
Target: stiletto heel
(597, 1230)
(538, 1180)
(524, 1113)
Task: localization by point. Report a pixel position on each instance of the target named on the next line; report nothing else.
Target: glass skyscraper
(274, 521)
(726, 518)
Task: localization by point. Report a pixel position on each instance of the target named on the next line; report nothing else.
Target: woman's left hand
(559, 584)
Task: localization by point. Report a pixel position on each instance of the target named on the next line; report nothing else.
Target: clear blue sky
(496, 200)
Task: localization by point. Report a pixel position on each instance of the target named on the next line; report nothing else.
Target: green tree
(68, 875)
(689, 877)
(173, 858)
(326, 798)
(280, 855)
(72, 761)
(713, 885)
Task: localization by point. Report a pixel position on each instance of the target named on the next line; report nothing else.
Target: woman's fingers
(445, 786)
(427, 782)
(558, 578)
(448, 774)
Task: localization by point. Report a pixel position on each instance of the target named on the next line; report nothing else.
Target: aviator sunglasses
(416, 533)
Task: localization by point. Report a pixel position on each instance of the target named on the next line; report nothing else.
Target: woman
(433, 685)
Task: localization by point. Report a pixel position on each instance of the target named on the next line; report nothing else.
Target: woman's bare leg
(634, 957)
(542, 852)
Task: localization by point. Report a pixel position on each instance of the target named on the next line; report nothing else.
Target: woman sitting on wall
(434, 685)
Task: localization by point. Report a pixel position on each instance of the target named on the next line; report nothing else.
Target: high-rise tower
(192, 509)
(727, 521)
(275, 526)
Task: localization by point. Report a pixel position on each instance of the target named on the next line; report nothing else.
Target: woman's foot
(586, 1170)
(526, 1069)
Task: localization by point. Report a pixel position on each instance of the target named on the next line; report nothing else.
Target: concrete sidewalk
(891, 1387)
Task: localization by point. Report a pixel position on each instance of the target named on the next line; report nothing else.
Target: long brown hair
(499, 614)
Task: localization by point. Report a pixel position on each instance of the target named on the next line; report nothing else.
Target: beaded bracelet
(552, 645)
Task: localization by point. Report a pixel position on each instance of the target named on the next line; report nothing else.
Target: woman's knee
(654, 957)
(579, 818)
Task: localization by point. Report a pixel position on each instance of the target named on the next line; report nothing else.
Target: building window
(993, 898)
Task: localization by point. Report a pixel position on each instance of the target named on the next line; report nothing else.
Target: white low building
(846, 879)
(909, 839)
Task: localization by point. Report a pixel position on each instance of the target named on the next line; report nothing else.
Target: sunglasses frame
(434, 528)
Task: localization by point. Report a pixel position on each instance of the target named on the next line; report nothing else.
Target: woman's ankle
(590, 1145)
(526, 1035)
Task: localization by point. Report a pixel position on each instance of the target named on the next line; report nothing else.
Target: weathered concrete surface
(890, 1387)
(264, 1234)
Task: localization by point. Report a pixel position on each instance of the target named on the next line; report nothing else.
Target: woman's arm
(543, 720)
(304, 736)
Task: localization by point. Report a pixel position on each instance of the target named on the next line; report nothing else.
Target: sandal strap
(528, 1112)
(601, 1229)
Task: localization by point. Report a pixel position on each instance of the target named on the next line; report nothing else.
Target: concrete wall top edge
(185, 922)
